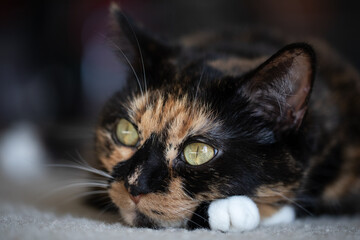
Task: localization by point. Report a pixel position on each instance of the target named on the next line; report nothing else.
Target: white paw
(237, 213)
(285, 215)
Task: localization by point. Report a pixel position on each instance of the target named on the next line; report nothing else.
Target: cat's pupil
(198, 153)
(126, 133)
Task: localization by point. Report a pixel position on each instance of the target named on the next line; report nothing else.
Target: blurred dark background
(56, 69)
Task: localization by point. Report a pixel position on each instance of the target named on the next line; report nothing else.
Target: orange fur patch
(170, 209)
(267, 210)
(173, 117)
(270, 198)
(120, 196)
(174, 206)
(118, 153)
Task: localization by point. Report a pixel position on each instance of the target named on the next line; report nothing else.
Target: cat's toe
(219, 217)
(237, 213)
(244, 213)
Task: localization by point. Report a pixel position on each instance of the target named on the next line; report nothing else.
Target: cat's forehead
(172, 117)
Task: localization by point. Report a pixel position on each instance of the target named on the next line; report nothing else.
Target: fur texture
(280, 136)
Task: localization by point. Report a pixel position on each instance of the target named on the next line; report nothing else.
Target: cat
(229, 130)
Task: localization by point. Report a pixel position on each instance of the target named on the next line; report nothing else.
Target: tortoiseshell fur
(233, 90)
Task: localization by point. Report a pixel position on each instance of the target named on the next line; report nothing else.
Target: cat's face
(194, 134)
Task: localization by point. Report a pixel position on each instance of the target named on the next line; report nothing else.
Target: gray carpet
(26, 222)
(25, 213)
(35, 205)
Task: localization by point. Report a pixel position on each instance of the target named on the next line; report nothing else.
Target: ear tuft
(279, 89)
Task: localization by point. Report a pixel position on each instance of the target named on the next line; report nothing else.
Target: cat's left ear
(133, 41)
(279, 89)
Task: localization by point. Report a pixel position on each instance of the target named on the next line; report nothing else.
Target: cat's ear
(279, 89)
(132, 41)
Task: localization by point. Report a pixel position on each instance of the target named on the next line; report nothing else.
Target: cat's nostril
(136, 199)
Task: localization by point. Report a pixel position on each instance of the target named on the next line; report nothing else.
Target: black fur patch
(266, 129)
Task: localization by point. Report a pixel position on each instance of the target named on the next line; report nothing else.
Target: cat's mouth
(152, 210)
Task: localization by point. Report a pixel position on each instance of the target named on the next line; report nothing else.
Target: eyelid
(198, 139)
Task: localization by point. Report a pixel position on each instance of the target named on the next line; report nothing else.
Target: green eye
(198, 153)
(126, 133)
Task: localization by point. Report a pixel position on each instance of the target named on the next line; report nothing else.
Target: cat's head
(185, 132)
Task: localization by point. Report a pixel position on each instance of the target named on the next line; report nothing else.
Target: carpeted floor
(24, 216)
(26, 222)
(38, 203)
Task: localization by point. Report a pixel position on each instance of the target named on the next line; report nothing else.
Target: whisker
(73, 185)
(188, 193)
(192, 212)
(131, 66)
(194, 201)
(188, 219)
(198, 85)
(85, 194)
(109, 205)
(191, 221)
(81, 159)
(292, 201)
(140, 52)
(77, 160)
(87, 169)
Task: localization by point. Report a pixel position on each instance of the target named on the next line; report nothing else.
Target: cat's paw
(285, 215)
(237, 213)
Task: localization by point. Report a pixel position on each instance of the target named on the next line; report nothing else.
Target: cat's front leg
(236, 213)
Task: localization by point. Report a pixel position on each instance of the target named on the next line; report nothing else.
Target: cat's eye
(198, 153)
(126, 133)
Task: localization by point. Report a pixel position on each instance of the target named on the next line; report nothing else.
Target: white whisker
(140, 52)
(109, 205)
(127, 61)
(131, 66)
(74, 185)
(198, 85)
(87, 169)
(192, 212)
(290, 200)
(85, 194)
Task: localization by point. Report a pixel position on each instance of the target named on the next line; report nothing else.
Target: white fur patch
(285, 215)
(237, 213)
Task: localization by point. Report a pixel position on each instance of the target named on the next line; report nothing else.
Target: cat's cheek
(128, 216)
(119, 154)
(109, 153)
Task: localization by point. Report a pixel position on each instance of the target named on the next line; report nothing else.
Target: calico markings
(267, 138)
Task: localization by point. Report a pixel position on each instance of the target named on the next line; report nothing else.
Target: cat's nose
(136, 199)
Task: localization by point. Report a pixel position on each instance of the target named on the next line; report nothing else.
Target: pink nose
(136, 198)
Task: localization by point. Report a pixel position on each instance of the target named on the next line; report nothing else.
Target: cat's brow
(172, 117)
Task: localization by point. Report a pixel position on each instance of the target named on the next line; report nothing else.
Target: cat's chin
(154, 210)
(134, 218)
(128, 216)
